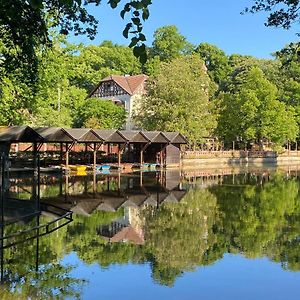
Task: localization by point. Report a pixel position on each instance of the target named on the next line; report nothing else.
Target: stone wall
(203, 158)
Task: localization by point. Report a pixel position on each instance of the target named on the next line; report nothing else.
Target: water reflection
(174, 221)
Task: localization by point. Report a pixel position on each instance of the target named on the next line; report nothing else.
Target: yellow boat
(77, 168)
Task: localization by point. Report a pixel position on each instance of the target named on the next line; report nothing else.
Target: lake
(193, 234)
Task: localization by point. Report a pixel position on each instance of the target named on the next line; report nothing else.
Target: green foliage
(13, 110)
(97, 62)
(250, 110)
(259, 219)
(282, 13)
(102, 113)
(216, 62)
(25, 26)
(178, 100)
(255, 215)
(186, 235)
(168, 43)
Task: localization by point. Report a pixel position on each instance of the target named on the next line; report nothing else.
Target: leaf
(134, 41)
(142, 37)
(126, 30)
(145, 14)
(113, 3)
(122, 13)
(136, 21)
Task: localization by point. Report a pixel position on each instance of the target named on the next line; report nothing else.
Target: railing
(39, 230)
(229, 154)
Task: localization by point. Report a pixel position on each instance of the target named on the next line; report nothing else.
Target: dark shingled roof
(54, 134)
(19, 134)
(83, 135)
(110, 136)
(27, 134)
(134, 136)
(155, 137)
(175, 137)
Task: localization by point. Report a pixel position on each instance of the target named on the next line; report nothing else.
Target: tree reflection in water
(256, 215)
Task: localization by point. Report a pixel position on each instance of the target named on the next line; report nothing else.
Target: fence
(232, 154)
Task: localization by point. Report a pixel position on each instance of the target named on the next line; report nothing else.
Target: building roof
(110, 136)
(129, 83)
(175, 137)
(19, 134)
(54, 134)
(134, 136)
(26, 134)
(155, 137)
(83, 135)
(128, 234)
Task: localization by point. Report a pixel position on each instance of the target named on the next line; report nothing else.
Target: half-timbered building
(122, 90)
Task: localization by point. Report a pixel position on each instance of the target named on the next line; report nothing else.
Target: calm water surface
(207, 234)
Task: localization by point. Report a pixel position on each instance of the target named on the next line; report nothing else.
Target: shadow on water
(175, 221)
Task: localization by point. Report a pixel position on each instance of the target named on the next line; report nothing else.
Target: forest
(198, 90)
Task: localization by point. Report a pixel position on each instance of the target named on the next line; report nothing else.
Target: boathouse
(57, 146)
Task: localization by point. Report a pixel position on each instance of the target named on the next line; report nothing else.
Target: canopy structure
(156, 137)
(175, 137)
(19, 134)
(147, 143)
(54, 135)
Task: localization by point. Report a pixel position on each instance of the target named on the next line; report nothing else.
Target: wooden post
(119, 156)
(94, 157)
(35, 159)
(142, 153)
(61, 153)
(141, 177)
(119, 181)
(94, 183)
(141, 156)
(67, 185)
(67, 156)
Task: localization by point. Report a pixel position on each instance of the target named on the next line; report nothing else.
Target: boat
(105, 167)
(77, 168)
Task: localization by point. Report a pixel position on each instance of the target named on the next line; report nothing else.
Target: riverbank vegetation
(196, 89)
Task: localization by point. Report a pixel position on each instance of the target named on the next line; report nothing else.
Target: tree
(179, 234)
(101, 113)
(254, 219)
(289, 89)
(168, 43)
(250, 110)
(56, 99)
(25, 26)
(216, 61)
(97, 62)
(282, 13)
(178, 100)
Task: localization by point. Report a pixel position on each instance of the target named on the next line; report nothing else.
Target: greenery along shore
(196, 89)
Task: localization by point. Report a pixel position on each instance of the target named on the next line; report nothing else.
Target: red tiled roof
(128, 83)
(128, 234)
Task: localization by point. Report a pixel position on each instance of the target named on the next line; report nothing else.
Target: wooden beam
(67, 156)
(94, 157)
(120, 151)
(142, 153)
(119, 156)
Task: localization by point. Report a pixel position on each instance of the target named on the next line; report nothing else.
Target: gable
(108, 88)
(116, 85)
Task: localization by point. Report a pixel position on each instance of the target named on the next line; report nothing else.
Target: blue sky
(218, 22)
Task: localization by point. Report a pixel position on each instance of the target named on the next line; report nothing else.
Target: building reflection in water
(175, 221)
